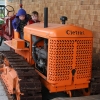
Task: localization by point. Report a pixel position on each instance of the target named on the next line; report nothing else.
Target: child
(34, 17)
(20, 21)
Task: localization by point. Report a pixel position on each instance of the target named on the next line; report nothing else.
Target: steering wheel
(11, 9)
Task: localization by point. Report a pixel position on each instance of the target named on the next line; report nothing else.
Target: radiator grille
(83, 59)
(60, 59)
(67, 54)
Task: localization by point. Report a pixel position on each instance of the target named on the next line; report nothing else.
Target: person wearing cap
(20, 21)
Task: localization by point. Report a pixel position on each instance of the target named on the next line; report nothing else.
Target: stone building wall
(84, 13)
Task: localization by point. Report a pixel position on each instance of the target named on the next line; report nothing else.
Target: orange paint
(16, 35)
(18, 43)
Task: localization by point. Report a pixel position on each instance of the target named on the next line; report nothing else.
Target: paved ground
(4, 47)
(2, 93)
(95, 97)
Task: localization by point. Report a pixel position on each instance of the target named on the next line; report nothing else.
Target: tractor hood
(56, 30)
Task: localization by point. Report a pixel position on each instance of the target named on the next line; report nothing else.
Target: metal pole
(20, 1)
(45, 17)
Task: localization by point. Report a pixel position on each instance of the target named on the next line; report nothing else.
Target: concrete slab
(3, 95)
(92, 97)
(4, 47)
(4, 98)
(1, 88)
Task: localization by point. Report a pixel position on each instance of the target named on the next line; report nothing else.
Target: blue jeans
(21, 35)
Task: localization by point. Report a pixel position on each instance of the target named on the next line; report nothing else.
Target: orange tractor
(59, 58)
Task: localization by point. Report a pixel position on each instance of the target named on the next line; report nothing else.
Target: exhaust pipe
(45, 17)
(21, 4)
